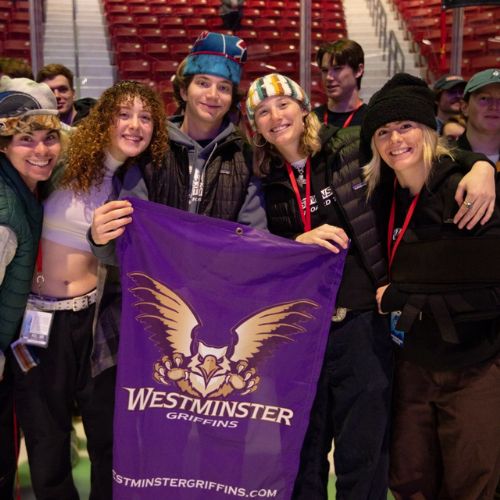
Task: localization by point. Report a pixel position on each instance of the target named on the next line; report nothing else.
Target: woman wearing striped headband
(302, 203)
(314, 194)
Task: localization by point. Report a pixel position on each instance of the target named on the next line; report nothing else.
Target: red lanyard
(349, 118)
(392, 249)
(304, 214)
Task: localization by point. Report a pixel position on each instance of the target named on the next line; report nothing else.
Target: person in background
(453, 128)
(61, 81)
(448, 92)
(342, 65)
(444, 299)
(125, 127)
(15, 68)
(314, 194)
(30, 145)
(231, 13)
(481, 106)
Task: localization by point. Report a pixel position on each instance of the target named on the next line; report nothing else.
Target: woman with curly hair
(126, 128)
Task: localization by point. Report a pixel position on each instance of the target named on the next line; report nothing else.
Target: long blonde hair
(433, 148)
(309, 144)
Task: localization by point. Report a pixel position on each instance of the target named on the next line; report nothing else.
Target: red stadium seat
(131, 69)
(171, 21)
(287, 23)
(17, 48)
(120, 20)
(271, 14)
(18, 31)
(128, 50)
(182, 11)
(484, 62)
(139, 10)
(180, 49)
(156, 50)
(20, 16)
(285, 67)
(258, 50)
(22, 5)
(174, 34)
(255, 4)
(164, 70)
(6, 5)
(162, 11)
(270, 36)
(248, 34)
(146, 21)
(199, 23)
(264, 24)
(116, 8)
(124, 33)
(149, 35)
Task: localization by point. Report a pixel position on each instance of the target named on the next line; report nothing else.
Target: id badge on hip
(35, 328)
(397, 336)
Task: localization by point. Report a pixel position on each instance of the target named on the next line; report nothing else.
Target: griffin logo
(189, 358)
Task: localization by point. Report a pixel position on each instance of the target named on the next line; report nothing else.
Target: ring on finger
(467, 204)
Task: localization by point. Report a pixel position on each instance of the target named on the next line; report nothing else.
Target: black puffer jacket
(337, 165)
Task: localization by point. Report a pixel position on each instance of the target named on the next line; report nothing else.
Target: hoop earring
(255, 143)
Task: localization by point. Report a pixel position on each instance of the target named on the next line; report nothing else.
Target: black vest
(227, 175)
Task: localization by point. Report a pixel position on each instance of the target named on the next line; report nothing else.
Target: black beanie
(403, 97)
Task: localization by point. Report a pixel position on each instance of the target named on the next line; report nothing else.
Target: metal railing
(380, 22)
(36, 10)
(388, 43)
(396, 58)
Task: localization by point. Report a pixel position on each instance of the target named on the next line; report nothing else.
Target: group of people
(409, 389)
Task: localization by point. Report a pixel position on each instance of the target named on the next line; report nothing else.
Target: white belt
(74, 304)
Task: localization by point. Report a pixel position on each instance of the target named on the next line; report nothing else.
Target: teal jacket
(21, 211)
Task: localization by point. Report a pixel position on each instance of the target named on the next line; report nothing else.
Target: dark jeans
(45, 399)
(352, 407)
(9, 435)
(446, 436)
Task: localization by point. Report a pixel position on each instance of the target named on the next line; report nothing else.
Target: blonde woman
(444, 300)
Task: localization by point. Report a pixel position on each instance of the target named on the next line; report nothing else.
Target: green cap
(481, 79)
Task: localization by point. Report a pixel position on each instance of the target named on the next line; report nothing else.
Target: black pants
(352, 407)
(9, 435)
(44, 400)
(232, 20)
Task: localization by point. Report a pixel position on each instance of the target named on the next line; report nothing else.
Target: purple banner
(223, 332)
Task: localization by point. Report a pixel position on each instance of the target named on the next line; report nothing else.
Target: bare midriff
(66, 272)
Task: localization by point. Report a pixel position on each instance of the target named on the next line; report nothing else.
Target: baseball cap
(20, 97)
(447, 82)
(482, 79)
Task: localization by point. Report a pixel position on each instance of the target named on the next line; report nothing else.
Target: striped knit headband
(272, 85)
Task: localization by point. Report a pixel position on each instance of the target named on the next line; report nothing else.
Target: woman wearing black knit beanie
(444, 301)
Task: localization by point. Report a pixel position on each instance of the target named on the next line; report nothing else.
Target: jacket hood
(176, 135)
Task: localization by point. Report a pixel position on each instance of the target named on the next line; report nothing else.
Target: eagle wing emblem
(277, 323)
(158, 302)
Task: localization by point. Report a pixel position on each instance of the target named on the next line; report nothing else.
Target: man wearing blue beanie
(209, 163)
